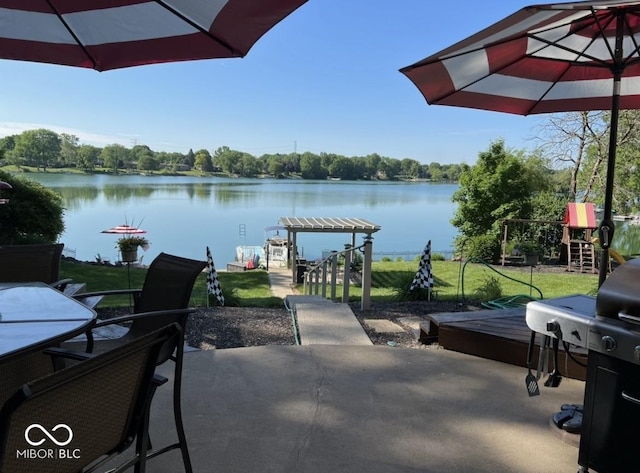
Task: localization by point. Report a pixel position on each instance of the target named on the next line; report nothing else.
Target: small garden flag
(213, 283)
(424, 277)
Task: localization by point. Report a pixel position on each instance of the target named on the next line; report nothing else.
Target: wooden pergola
(295, 225)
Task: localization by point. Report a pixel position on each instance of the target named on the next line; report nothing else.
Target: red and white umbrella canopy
(558, 57)
(124, 230)
(544, 58)
(111, 34)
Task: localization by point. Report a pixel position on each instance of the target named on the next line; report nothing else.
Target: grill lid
(620, 292)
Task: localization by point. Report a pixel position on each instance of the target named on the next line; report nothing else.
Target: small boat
(274, 252)
(277, 246)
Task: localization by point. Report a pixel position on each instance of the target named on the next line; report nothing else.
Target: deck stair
(499, 334)
(322, 322)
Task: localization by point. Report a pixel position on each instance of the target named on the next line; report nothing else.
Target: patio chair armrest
(59, 354)
(141, 315)
(159, 380)
(61, 284)
(92, 299)
(111, 292)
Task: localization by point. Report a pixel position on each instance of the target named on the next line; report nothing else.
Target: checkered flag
(213, 283)
(424, 276)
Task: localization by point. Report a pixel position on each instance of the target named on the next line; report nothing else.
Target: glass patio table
(35, 315)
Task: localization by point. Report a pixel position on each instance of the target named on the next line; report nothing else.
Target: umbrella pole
(606, 230)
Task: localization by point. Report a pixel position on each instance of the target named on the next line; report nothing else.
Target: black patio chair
(28, 263)
(167, 285)
(163, 299)
(83, 415)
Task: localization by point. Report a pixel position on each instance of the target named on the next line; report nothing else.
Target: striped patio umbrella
(556, 57)
(124, 229)
(111, 34)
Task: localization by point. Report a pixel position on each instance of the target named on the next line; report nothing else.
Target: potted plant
(531, 251)
(128, 246)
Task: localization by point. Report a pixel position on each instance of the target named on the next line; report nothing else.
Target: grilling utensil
(530, 381)
(553, 381)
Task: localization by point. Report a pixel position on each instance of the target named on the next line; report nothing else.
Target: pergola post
(365, 302)
(334, 273)
(346, 272)
(294, 257)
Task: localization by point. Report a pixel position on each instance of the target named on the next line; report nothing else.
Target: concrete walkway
(361, 409)
(320, 321)
(280, 282)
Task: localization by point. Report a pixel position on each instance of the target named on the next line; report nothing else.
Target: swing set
(572, 238)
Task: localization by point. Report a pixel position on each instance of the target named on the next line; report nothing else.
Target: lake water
(184, 215)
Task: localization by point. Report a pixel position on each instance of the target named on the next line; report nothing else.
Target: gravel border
(234, 327)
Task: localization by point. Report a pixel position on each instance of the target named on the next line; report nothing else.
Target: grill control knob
(609, 343)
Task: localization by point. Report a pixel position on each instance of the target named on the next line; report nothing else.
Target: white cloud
(85, 137)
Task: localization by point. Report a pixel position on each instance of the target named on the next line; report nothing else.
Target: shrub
(231, 298)
(485, 247)
(489, 290)
(34, 213)
(401, 290)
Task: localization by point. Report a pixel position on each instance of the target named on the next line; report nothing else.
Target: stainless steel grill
(609, 327)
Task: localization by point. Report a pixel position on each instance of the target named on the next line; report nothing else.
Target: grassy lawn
(251, 288)
(452, 280)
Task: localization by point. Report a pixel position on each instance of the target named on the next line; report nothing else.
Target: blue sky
(324, 80)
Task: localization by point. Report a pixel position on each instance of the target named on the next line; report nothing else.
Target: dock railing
(324, 274)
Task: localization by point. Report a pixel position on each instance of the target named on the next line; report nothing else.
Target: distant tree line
(44, 149)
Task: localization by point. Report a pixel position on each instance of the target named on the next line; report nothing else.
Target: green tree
(436, 171)
(203, 161)
(311, 167)
(34, 213)
(341, 168)
(410, 168)
(229, 160)
(68, 150)
(6, 145)
(248, 165)
(498, 187)
(189, 158)
(592, 176)
(114, 156)
(37, 148)
(146, 162)
(275, 165)
(87, 157)
(139, 152)
(372, 165)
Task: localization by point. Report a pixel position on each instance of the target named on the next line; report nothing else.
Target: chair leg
(182, 438)
(143, 443)
(177, 414)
